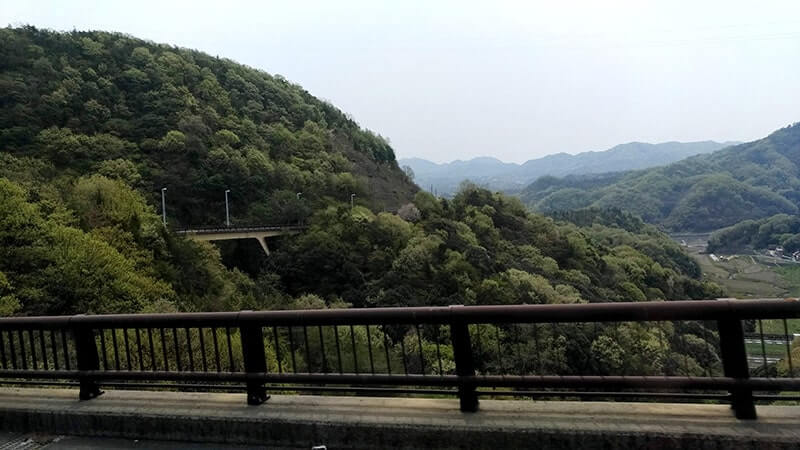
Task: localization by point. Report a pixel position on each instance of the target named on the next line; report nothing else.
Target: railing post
(462, 352)
(734, 364)
(86, 355)
(254, 361)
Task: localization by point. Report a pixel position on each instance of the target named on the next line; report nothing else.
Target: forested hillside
(779, 230)
(158, 116)
(481, 248)
(748, 181)
(92, 125)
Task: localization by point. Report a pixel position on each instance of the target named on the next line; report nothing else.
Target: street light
(227, 211)
(352, 196)
(163, 207)
(299, 215)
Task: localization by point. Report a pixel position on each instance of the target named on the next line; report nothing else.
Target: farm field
(752, 276)
(746, 276)
(743, 275)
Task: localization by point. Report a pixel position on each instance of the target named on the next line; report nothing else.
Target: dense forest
(157, 116)
(703, 193)
(93, 124)
(779, 230)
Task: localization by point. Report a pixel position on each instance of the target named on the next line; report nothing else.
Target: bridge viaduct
(259, 233)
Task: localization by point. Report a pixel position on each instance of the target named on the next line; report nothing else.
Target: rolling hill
(94, 124)
(753, 180)
(161, 116)
(495, 174)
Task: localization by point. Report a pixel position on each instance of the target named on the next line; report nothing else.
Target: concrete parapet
(403, 423)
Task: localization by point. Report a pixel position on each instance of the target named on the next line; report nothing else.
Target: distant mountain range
(754, 180)
(499, 175)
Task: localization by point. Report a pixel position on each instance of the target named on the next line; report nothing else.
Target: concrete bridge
(259, 233)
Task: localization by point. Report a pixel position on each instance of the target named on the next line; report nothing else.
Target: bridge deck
(359, 422)
(260, 233)
(243, 229)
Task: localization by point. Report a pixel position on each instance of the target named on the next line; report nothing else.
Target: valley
(109, 143)
(529, 210)
(750, 276)
(445, 179)
(745, 275)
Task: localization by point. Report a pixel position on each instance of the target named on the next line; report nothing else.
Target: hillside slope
(92, 125)
(706, 192)
(499, 175)
(160, 116)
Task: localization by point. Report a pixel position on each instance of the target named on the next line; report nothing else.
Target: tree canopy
(779, 230)
(160, 116)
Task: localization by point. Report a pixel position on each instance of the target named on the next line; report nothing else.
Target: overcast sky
(515, 80)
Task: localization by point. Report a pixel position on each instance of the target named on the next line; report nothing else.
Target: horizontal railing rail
(586, 312)
(240, 229)
(512, 349)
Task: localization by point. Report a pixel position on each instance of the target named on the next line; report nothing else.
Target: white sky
(451, 80)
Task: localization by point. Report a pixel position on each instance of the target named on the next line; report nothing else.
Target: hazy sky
(516, 80)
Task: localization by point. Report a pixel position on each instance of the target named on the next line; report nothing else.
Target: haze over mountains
(754, 180)
(495, 174)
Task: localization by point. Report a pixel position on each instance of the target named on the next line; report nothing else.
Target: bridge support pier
(263, 241)
(258, 233)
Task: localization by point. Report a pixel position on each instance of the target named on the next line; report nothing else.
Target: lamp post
(352, 197)
(299, 214)
(163, 207)
(227, 210)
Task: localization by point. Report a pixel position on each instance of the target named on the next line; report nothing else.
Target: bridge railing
(239, 228)
(681, 349)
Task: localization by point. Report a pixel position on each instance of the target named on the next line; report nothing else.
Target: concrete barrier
(289, 421)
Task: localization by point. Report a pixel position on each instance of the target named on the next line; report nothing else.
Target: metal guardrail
(392, 350)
